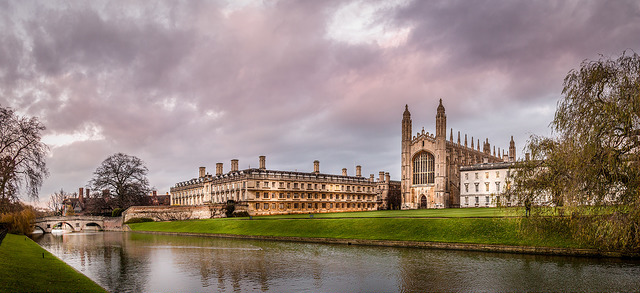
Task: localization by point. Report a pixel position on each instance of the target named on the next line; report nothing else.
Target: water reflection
(128, 262)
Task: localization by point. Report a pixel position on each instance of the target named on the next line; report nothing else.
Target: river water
(133, 262)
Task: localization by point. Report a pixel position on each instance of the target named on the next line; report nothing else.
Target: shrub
(138, 220)
(19, 222)
(241, 214)
(117, 212)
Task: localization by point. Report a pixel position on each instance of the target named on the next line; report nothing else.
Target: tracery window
(423, 168)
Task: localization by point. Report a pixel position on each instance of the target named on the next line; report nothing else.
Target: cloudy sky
(183, 84)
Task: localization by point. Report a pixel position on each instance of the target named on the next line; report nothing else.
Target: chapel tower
(441, 157)
(406, 154)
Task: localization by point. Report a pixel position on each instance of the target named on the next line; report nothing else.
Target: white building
(483, 185)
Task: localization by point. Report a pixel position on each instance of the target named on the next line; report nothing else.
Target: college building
(268, 192)
(431, 163)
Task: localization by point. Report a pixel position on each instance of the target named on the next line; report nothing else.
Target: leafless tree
(55, 202)
(22, 156)
(125, 177)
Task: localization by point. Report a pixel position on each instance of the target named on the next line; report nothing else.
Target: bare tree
(55, 202)
(22, 156)
(125, 177)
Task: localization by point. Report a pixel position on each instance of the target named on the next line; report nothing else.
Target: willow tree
(22, 157)
(593, 160)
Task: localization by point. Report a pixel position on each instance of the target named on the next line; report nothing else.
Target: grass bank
(501, 231)
(24, 269)
(424, 213)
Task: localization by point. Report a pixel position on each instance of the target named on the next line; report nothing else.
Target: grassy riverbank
(479, 230)
(24, 269)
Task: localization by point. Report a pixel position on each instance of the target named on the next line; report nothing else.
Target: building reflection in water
(133, 262)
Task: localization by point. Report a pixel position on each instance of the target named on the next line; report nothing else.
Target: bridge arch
(41, 229)
(62, 225)
(93, 224)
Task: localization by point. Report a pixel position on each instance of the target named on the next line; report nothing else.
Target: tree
(595, 157)
(125, 178)
(592, 164)
(22, 156)
(56, 200)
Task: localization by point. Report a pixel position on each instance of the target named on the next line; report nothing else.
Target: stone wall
(112, 224)
(179, 213)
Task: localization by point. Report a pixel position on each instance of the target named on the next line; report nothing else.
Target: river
(134, 262)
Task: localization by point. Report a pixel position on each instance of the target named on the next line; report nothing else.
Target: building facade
(484, 185)
(268, 192)
(430, 164)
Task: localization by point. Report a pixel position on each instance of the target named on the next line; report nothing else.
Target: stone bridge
(79, 223)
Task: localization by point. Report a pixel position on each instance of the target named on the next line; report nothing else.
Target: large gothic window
(423, 168)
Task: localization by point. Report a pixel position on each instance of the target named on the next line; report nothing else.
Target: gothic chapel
(431, 163)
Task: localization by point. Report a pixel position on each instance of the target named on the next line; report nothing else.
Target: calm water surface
(131, 262)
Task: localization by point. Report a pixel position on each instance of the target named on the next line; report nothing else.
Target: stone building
(268, 192)
(430, 174)
(484, 185)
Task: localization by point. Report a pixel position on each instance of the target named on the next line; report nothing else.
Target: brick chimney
(263, 164)
(234, 165)
(202, 171)
(359, 171)
(316, 166)
(218, 169)
(344, 171)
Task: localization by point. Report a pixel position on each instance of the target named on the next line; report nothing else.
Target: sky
(184, 84)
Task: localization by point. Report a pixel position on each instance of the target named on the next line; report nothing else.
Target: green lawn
(422, 213)
(23, 269)
(453, 229)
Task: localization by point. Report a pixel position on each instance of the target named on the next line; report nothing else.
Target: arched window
(423, 168)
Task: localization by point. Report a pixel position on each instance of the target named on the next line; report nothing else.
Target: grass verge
(422, 213)
(502, 231)
(24, 269)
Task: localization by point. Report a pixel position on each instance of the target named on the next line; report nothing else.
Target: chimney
(263, 164)
(202, 171)
(87, 193)
(80, 192)
(218, 169)
(344, 171)
(387, 177)
(371, 179)
(359, 171)
(155, 193)
(526, 156)
(234, 165)
(316, 166)
(381, 176)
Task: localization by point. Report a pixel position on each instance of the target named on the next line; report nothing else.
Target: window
(324, 186)
(476, 175)
(466, 176)
(497, 174)
(295, 185)
(281, 184)
(486, 199)
(281, 195)
(295, 205)
(257, 206)
(281, 206)
(423, 168)
(266, 206)
(466, 200)
(477, 200)
(486, 184)
(289, 184)
(477, 190)
(273, 184)
(466, 187)
(324, 196)
(324, 205)
(486, 175)
(257, 184)
(498, 186)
